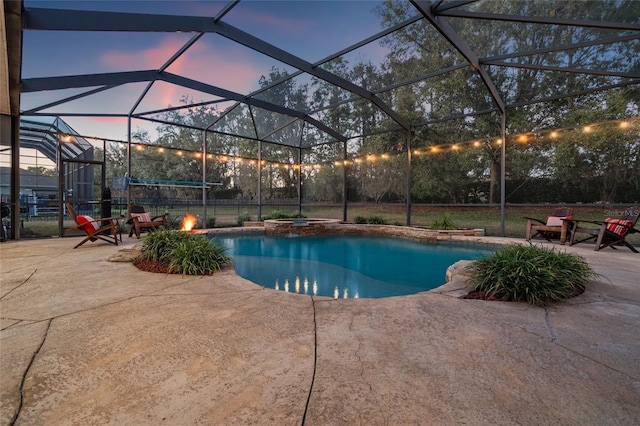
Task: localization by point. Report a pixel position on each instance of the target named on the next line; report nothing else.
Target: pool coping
(418, 233)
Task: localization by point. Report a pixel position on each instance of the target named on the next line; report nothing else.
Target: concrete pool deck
(87, 341)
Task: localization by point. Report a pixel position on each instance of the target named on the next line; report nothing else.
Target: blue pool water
(344, 266)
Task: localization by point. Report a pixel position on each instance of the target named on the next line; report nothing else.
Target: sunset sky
(311, 30)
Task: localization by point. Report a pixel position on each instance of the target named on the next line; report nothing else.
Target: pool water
(347, 266)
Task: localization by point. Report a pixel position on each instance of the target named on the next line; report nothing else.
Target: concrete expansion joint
(19, 285)
(362, 369)
(624, 373)
(554, 341)
(19, 322)
(26, 372)
(547, 320)
(357, 352)
(315, 359)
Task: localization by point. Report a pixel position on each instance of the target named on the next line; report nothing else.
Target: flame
(189, 222)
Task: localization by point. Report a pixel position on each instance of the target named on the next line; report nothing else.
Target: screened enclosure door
(82, 184)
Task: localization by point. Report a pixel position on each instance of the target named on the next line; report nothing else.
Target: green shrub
(197, 256)
(184, 253)
(276, 214)
(174, 223)
(279, 214)
(370, 220)
(211, 222)
(360, 220)
(244, 217)
(158, 244)
(444, 223)
(376, 220)
(531, 274)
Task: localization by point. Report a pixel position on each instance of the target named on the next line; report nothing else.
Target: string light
(372, 158)
(522, 138)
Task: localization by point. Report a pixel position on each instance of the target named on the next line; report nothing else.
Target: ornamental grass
(531, 274)
(183, 253)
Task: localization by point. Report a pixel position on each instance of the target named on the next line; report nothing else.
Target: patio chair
(105, 229)
(610, 233)
(139, 220)
(553, 227)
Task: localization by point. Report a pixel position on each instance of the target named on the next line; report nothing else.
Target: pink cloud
(222, 64)
(211, 60)
(109, 120)
(151, 58)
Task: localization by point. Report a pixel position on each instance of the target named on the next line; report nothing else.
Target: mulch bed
(151, 266)
(157, 267)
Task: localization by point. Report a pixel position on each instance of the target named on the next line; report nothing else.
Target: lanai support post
(133, 108)
(204, 179)
(409, 174)
(15, 176)
(61, 195)
(344, 181)
(128, 159)
(259, 180)
(503, 169)
(299, 181)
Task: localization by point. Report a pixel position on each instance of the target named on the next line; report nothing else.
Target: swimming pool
(344, 266)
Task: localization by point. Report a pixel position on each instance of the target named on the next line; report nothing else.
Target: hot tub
(301, 226)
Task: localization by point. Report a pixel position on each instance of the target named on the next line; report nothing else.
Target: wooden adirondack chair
(139, 220)
(610, 233)
(558, 225)
(105, 229)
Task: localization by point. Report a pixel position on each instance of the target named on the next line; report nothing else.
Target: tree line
(574, 166)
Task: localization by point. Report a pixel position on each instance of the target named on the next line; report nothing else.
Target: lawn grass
(463, 216)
